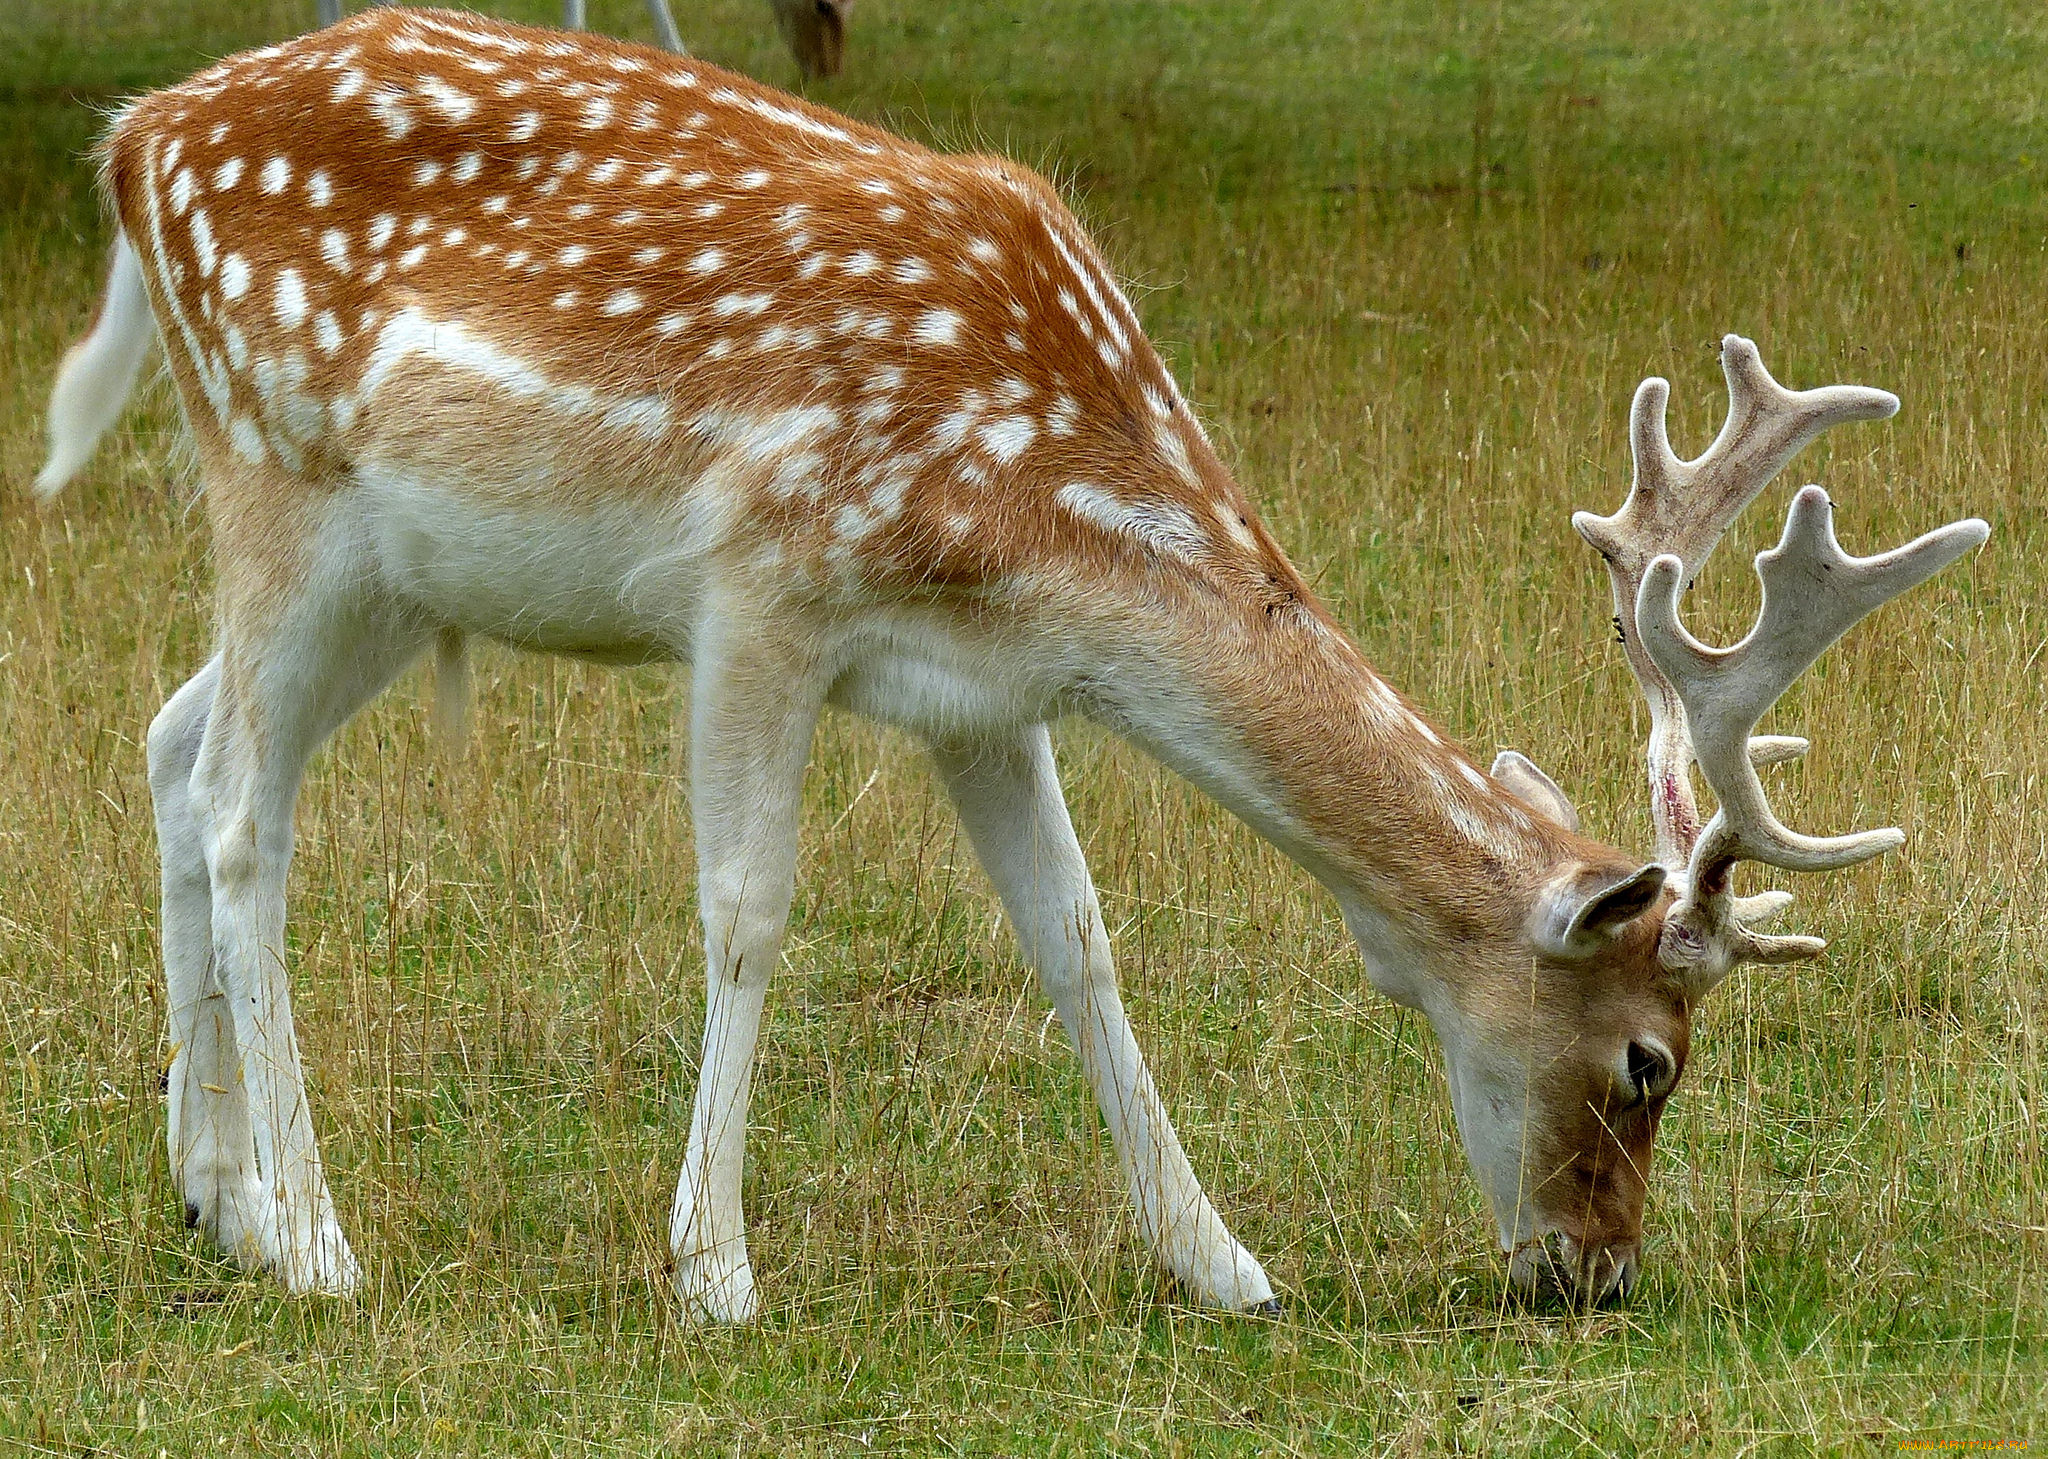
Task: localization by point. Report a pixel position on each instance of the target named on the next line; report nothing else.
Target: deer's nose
(1559, 1268)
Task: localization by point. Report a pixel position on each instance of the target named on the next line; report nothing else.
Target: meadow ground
(1410, 260)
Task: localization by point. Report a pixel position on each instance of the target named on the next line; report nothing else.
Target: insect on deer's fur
(586, 348)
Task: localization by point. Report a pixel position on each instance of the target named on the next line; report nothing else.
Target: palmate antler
(1705, 702)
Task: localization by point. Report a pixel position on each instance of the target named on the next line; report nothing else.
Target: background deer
(814, 30)
(605, 352)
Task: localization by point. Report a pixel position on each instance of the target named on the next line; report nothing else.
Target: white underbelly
(626, 580)
(611, 580)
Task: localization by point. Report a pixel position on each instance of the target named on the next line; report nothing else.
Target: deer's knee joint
(234, 860)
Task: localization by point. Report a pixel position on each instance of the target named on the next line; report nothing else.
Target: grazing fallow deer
(815, 32)
(595, 350)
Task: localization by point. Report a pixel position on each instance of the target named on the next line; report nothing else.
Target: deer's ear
(1519, 775)
(1582, 914)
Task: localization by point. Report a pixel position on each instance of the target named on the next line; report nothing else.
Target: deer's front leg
(1008, 793)
(755, 701)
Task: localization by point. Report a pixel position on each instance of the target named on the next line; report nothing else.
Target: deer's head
(815, 31)
(1561, 1063)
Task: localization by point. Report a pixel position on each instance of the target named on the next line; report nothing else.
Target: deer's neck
(1279, 717)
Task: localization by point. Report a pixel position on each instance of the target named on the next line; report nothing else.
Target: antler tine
(1681, 509)
(1813, 593)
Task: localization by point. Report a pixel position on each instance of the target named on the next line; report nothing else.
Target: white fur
(98, 373)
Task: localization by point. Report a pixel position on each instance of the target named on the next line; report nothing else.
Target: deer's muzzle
(1558, 1268)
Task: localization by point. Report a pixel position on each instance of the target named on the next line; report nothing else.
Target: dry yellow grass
(1410, 264)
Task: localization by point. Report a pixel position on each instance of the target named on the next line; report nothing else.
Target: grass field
(1410, 260)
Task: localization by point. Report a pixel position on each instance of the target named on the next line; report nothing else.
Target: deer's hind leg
(207, 1108)
(305, 639)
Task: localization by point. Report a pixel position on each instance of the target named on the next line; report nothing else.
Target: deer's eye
(1652, 1068)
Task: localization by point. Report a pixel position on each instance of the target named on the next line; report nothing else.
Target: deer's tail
(98, 373)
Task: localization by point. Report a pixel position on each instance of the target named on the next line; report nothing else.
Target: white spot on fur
(759, 437)
(379, 233)
(525, 127)
(248, 441)
(937, 327)
(334, 248)
(709, 261)
(727, 305)
(953, 427)
(327, 331)
(597, 112)
(607, 170)
(623, 301)
(234, 276)
(288, 297)
(350, 82)
(466, 167)
(227, 174)
(388, 106)
(453, 105)
(182, 188)
(319, 189)
(574, 254)
(202, 242)
(912, 271)
(1008, 438)
(671, 325)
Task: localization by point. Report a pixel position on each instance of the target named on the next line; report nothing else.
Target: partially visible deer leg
(207, 1105)
(297, 659)
(574, 16)
(329, 12)
(755, 700)
(665, 26)
(1008, 794)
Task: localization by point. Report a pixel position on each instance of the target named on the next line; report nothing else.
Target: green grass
(1410, 261)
